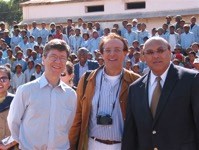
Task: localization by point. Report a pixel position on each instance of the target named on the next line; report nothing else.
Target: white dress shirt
(40, 115)
(153, 83)
(83, 69)
(18, 80)
(28, 73)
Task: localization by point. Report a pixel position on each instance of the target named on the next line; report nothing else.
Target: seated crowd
(21, 48)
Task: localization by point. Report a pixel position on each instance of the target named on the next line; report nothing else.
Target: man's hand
(5, 147)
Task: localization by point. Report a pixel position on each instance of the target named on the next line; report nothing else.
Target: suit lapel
(89, 65)
(169, 84)
(77, 72)
(144, 89)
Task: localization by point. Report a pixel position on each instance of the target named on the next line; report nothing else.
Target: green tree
(10, 11)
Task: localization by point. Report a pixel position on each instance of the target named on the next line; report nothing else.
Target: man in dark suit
(83, 65)
(162, 114)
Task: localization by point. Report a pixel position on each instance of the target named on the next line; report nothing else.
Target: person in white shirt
(79, 24)
(38, 72)
(16, 39)
(29, 71)
(134, 25)
(44, 33)
(52, 30)
(196, 64)
(35, 30)
(186, 38)
(195, 48)
(130, 35)
(25, 27)
(32, 42)
(173, 37)
(194, 28)
(94, 42)
(43, 110)
(76, 41)
(24, 45)
(18, 78)
(86, 40)
(84, 28)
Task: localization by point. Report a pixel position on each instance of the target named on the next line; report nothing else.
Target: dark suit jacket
(176, 123)
(92, 65)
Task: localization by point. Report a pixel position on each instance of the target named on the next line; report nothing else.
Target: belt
(108, 142)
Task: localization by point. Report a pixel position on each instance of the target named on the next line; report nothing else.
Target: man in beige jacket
(101, 108)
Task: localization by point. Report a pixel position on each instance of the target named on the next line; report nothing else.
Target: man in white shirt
(194, 28)
(173, 37)
(35, 30)
(43, 110)
(44, 33)
(130, 35)
(29, 71)
(24, 45)
(186, 38)
(75, 41)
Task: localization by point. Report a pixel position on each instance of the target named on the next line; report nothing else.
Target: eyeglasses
(4, 79)
(151, 52)
(63, 74)
(55, 57)
(116, 51)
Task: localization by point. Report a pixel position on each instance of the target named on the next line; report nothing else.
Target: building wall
(58, 10)
(110, 7)
(67, 10)
(158, 5)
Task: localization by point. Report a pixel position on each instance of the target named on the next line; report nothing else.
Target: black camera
(104, 120)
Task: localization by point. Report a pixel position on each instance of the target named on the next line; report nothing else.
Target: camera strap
(117, 93)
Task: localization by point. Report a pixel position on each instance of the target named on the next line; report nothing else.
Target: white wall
(110, 6)
(67, 10)
(154, 5)
(59, 10)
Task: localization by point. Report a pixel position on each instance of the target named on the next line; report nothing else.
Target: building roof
(117, 17)
(39, 2)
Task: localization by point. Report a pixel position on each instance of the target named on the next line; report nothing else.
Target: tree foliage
(10, 11)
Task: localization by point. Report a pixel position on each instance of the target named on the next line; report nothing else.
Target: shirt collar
(44, 82)
(163, 76)
(103, 73)
(86, 64)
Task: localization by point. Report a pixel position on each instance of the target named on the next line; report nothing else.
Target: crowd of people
(22, 48)
(100, 65)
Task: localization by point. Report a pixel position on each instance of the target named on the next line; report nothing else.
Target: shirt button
(155, 148)
(153, 132)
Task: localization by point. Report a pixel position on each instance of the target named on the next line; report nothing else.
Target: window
(136, 5)
(98, 8)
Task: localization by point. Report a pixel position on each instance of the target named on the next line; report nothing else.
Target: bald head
(157, 55)
(155, 39)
